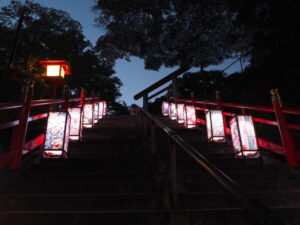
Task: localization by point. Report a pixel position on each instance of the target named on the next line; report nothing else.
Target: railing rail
(18, 147)
(262, 214)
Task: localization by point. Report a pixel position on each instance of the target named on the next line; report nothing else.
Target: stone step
(109, 157)
(82, 187)
(79, 202)
(88, 176)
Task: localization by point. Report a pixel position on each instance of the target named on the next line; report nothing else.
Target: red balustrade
(18, 148)
(287, 147)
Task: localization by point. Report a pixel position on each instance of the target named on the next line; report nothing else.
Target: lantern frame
(49, 152)
(180, 112)
(173, 111)
(186, 120)
(101, 109)
(165, 108)
(90, 120)
(238, 138)
(77, 137)
(104, 108)
(96, 112)
(212, 128)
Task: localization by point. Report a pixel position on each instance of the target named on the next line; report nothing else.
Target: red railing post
(19, 132)
(82, 96)
(66, 95)
(287, 139)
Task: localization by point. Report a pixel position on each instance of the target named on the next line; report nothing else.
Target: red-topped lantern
(76, 123)
(190, 118)
(56, 70)
(172, 111)
(215, 126)
(165, 108)
(180, 113)
(243, 136)
(57, 134)
(88, 115)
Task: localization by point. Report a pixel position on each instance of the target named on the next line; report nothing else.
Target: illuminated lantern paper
(57, 134)
(165, 108)
(180, 113)
(88, 114)
(104, 108)
(172, 111)
(190, 118)
(243, 136)
(101, 110)
(215, 126)
(76, 123)
(96, 112)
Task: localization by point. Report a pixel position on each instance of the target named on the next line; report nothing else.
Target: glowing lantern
(96, 112)
(190, 118)
(165, 108)
(101, 110)
(180, 113)
(76, 123)
(243, 136)
(57, 134)
(88, 115)
(172, 111)
(215, 126)
(56, 68)
(104, 108)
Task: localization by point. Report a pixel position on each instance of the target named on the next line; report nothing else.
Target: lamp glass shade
(53, 70)
(243, 136)
(165, 108)
(88, 114)
(215, 125)
(172, 111)
(57, 134)
(190, 118)
(180, 113)
(76, 123)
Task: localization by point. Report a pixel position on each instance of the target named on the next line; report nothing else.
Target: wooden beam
(164, 80)
(159, 92)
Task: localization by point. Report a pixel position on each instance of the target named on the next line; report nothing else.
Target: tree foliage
(48, 33)
(169, 32)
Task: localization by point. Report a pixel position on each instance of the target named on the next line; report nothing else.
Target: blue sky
(133, 75)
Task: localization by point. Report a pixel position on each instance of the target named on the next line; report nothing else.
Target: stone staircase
(110, 179)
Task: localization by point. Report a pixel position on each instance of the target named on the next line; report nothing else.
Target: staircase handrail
(262, 214)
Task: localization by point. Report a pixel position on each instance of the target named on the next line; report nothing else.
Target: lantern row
(65, 126)
(241, 127)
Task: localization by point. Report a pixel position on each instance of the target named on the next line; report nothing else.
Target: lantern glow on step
(88, 114)
(57, 134)
(243, 136)
(215, 126)
(165, 108)
(180, 113)
(190, 118)
(96, 112)
(172, 111)
(76, 123)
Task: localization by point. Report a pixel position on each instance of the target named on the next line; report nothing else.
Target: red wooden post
(19, 132)
(82, 95)
(220, 107)
(287, 139)
(66, 95)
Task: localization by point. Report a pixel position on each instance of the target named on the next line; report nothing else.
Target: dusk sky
(133, 75)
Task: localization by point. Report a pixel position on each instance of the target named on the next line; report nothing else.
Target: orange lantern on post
(190, 118)
(76, 123)
(88, 115)
(165, 108)
(172, 111)
(180, 113)
(243, 136)
(56, 142)
(215, 126)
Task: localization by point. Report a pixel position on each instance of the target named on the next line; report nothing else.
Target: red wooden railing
(287, 148)
(18, 148)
